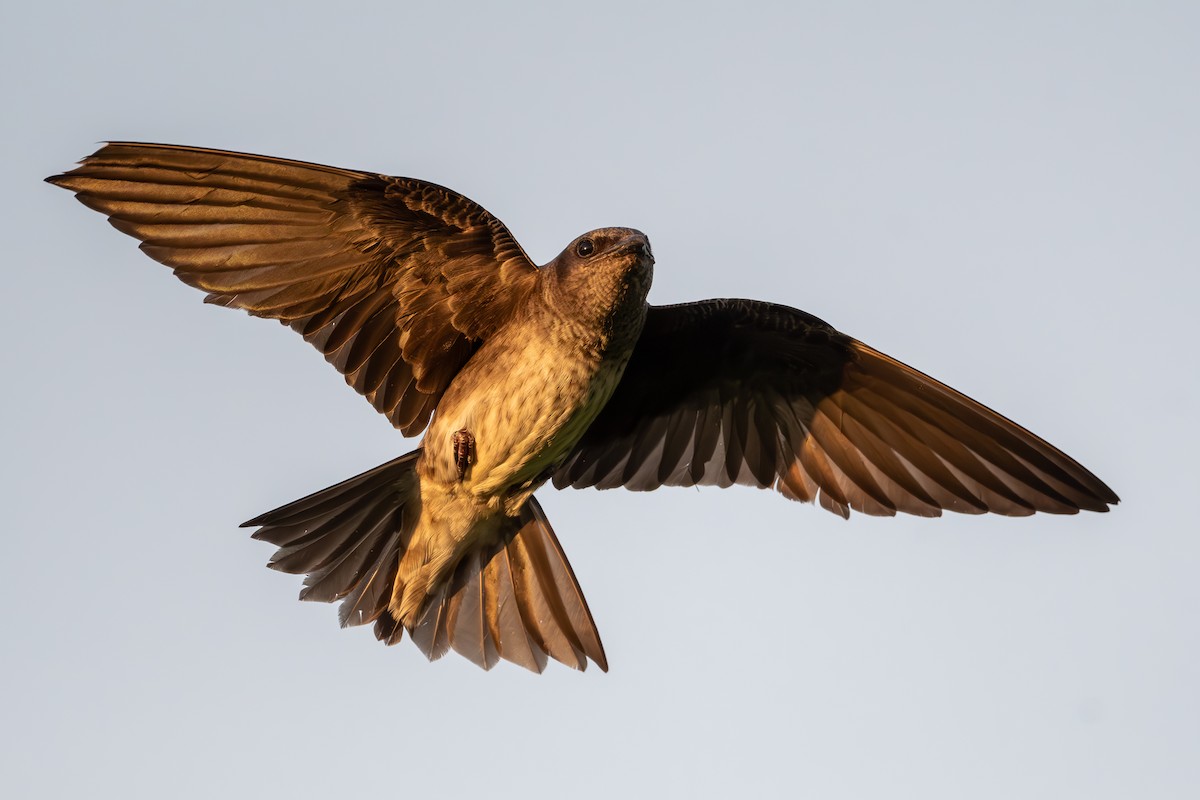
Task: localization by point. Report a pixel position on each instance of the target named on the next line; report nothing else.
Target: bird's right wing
(738, 391)
(394, 280)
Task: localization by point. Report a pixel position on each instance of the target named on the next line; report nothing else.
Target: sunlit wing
(394, 280)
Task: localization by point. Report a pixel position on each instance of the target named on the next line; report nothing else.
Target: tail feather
(366, 601)
(328, 542)
(387, 628)
(519, 646)
(469, 620)
(548, 595)
(328, 501)
(516, 599)
(347, 538)
(337, 577)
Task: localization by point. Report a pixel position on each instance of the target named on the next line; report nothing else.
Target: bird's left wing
(739, 391)
(394, 280)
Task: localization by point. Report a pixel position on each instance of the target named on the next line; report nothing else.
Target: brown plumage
(432, 311)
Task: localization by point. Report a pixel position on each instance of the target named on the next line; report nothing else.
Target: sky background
(1006, 196)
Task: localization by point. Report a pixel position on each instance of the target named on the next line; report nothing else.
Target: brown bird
(432, 311)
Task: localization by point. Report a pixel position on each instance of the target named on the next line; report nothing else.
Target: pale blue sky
(1003, 195)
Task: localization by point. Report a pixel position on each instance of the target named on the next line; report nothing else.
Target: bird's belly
(525, 409)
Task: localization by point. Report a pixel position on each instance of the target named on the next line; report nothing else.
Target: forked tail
(516, 599)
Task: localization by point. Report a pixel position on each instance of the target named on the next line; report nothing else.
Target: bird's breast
(527, 397)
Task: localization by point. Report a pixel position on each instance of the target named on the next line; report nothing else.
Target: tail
(516, 599)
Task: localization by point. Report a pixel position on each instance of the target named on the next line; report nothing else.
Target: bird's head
(601, 273)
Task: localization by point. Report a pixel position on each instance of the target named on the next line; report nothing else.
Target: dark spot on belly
(464, 452)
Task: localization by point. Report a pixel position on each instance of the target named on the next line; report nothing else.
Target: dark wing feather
(738, 391)
(394, 280)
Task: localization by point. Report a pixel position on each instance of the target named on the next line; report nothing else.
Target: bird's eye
(585, 248)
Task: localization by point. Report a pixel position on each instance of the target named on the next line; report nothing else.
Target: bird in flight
(521, 374)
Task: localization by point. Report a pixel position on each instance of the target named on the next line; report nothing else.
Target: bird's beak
(640, 247)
